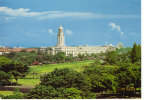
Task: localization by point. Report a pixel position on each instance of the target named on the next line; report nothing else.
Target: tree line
(44, 58)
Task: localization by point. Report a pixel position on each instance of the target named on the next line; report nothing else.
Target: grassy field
(6, 93)
(29, 81)
(78, 66)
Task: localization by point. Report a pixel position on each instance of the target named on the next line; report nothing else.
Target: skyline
(30, 23)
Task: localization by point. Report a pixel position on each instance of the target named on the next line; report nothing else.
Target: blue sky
(35, 23)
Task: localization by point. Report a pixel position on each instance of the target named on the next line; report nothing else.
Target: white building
(61, 47)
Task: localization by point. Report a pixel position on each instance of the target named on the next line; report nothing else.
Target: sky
(35, 23)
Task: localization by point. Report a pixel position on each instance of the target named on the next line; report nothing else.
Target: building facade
(61, 47)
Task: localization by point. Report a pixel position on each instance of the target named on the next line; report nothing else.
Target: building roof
(18, 50)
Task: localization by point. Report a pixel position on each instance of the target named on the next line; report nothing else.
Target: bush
(66, 78)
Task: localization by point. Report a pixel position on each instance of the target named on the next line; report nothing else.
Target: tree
(49, 92)
(16, 69)
(16, 75)
(71, 93)
(4, 78)
(111, 57)
(136, 53)
(124, 75)
(66, 78)
(6, 64)
(42, 92)
(11, 55)
(19, 70)
(102, 78)
(24, 57)
(69, 58)
(109, 81)
(136, 76)
(63, 83)
(81, 56)
(60, 57)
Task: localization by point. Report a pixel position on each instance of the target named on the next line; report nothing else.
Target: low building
(5, 51)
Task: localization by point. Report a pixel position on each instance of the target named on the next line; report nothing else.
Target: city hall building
(61, 47)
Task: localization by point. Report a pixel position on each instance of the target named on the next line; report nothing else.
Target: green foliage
(6, 64)
(60, 57)
(81, 56)
(4, 78)
(1, 96)
(102, 78)
(16, 75)
(24, 57)
(63, 83)
(124, 55)
(69, 84)
(136, 76)
(49, 92)
(129, 75)
(136, 53)
(66, 78)
(42, 92)
(72, 93)
(16, 95)
(14, 68)
(124, 74)
(110, 57)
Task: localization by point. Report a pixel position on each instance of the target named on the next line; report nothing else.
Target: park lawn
(40, 70)
(27, 82)
(30, 82)
(77, 66)
(6, 93)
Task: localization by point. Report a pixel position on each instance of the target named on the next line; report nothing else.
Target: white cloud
(69, 32)
(22, 12)
(115, 27)
(51, 31)
(83, 15)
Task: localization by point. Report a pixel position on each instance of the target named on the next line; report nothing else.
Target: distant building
(61, 47)
(5, 50)
(120, 45)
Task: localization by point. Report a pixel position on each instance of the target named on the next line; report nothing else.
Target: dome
(60, 27)
(110, 45)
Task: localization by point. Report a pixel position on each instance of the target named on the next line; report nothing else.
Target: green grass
(29, 81)
(6, 93)
(78, 66)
